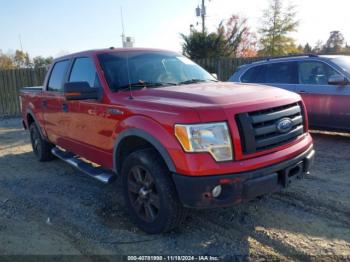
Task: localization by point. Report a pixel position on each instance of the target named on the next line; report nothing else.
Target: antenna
(122, 21)
(127, 41)
(20, 42)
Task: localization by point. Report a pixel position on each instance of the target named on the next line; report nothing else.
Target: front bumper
(196, 191)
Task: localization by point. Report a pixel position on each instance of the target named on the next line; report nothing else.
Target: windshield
(343, 62)
(150, 69)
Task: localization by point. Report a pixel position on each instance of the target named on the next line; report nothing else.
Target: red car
(174, 135)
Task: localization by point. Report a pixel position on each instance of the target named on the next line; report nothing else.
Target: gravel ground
(50, 208)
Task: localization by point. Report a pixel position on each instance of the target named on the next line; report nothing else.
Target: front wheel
(41, 148)
(149, 193)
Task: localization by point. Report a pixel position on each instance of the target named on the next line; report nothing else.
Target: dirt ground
(50, 208)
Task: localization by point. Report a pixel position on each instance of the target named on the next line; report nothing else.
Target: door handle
(302, 92)
(64, 107)
(44, 104)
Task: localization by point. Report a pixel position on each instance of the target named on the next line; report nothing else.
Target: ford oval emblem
(284, 125)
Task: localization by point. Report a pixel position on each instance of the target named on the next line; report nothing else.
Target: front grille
(259, 131)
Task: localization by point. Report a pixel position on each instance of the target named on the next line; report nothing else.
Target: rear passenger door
(282, 75)
(52, 103)
(323, 101)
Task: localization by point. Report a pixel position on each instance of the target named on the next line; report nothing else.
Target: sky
(58, 27)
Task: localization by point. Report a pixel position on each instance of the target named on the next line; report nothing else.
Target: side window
(315, 73)
(282, 73)
(57, 75)
(255, 74)
(84, 70)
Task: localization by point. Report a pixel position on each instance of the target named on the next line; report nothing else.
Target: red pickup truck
(175, 135)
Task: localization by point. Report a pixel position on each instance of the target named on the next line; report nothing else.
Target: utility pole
(203, 16)
(201, 11)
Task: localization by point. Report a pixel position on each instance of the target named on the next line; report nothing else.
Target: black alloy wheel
(149, 192)
(143, 194)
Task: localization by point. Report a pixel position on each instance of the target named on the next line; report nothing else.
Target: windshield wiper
(144, 84)
(193, 81)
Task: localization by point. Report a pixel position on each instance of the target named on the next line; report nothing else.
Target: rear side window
(281, 73)
(274, 73)
(57, 74)
(254, 75)
(84, 71)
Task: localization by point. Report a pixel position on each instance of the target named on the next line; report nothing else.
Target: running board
(101, 174)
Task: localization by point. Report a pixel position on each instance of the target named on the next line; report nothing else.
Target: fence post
(218, 69)
(2, 92)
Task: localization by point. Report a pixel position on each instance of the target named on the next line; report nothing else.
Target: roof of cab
(110, 50)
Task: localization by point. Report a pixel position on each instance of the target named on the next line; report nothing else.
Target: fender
(30, 112)
(150, 139)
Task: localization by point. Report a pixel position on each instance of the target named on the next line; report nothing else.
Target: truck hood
(216, 94)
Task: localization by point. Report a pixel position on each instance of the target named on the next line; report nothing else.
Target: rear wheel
(149, 193)
(41, 148)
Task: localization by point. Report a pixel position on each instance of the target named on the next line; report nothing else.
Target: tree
(318, 48)
(203, 45)
(300, 48)
(230, 40)
(40, 61)
(307, 49)
(240, 41)
(277, 24)
(335, 43)
(6, 61)
(21, 59)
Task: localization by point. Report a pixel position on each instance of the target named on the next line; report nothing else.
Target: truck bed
(30, 100)
(31, 89)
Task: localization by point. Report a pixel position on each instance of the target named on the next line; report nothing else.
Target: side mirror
(80, 91)
(214, 75)
(337, 80)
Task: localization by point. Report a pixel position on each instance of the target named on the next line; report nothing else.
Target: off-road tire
(41, 148)
(170, 213)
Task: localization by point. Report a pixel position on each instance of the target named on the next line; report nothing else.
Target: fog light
(216, 191)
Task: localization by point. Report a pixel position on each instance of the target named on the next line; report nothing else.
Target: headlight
(213, 138)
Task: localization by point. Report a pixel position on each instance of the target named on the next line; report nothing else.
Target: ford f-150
(173, 134)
